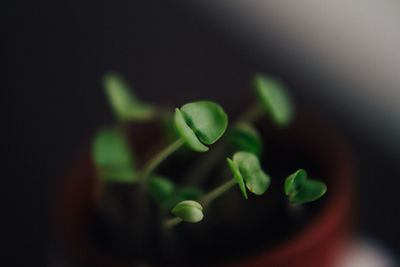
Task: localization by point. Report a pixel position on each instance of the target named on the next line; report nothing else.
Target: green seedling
(124, 103)
(188, 211)
(199, 126)
(245, 137)
(168, 194)
(200, 122)
(112, 157)
(197, 122)
(247, 169)
(300, 189)
(275, 99)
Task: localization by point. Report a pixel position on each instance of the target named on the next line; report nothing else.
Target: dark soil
(232, 228)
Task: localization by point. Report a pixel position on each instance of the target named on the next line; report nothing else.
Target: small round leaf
(123, 101)
(160, 188)
(167, 194)
(187, 133)
(309, 191)
(112, 156)
(294, 181)
(207, 119)
(188, 211)
(181, 194)
(238, 176)
(245, 137)
(257, 181)
(275, 99)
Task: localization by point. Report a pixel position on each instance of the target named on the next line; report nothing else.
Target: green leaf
(309, 191)
(275, 99)
(118, 174)
(112, 156)
(245, 137)
(300, 189)
(187, 133)
(207, 119)
(160, 188)
(238, 176)
(181, 194)
(123, 101)
(294, 181)
(167, 194)
(189, 211)
(257, 181)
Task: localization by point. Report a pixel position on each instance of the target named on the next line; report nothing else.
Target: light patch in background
(354, 46)
(366, 253)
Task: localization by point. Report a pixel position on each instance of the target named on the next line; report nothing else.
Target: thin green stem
(204, 165)
(172, 222)
(252, 114)
(207, 199)
(153, 163)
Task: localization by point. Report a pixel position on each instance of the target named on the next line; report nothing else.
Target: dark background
(53, 57)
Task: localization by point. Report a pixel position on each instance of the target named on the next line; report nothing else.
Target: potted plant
(187, 188)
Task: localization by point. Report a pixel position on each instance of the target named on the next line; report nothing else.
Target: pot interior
(233, 227)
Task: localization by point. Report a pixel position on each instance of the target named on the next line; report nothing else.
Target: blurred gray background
(342, 58)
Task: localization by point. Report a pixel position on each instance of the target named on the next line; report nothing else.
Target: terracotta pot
(317, 244)
(321, 242)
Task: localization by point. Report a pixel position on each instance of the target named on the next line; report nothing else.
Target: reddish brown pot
(317, 244)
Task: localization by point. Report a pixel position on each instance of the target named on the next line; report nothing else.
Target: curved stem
(252, 114)
(204, 165)
(160, 157)
(207, 199)
(172, 222)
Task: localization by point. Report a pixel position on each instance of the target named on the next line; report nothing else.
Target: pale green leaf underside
(189, 211)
